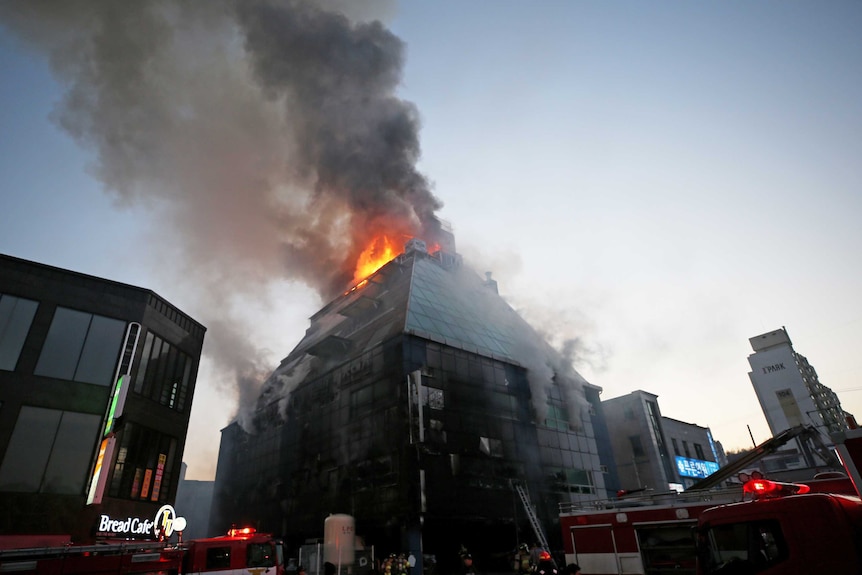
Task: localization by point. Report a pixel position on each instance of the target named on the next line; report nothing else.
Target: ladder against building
(531, 515)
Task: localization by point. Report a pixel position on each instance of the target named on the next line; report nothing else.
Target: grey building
(656, 452)
(788, 389)
(643, 458)
(791, 394)
(96, 386)
(193, 502)
(416, 402)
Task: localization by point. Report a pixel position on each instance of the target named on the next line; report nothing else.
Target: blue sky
(659, 180)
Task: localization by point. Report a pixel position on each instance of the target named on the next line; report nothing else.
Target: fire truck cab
(761, 527)
(788, 529)
(782, 534)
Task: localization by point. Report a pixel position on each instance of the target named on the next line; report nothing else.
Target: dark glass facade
(414, 403)
(65, 340)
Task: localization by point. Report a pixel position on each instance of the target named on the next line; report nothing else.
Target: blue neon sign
(695, 467)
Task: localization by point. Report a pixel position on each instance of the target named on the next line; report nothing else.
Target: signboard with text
(687, 467)
(160, 527)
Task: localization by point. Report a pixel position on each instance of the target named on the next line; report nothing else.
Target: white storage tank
(339, 535)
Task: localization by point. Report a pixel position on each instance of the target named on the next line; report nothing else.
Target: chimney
(490, 283)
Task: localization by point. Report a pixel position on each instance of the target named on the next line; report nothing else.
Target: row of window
(145, 462)
(50, 452)
(698, 450)
(164, 373)
(85, 347)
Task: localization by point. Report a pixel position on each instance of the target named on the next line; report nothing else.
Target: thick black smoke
(265, 138)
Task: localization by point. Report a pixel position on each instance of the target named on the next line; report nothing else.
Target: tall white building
(788, 389)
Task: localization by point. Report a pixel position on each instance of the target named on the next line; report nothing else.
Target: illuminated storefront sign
(695, 467)
(128, 526)
(163, 525)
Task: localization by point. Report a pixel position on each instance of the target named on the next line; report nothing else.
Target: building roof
(431, 296)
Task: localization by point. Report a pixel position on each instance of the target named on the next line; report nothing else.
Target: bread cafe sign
(162, 526)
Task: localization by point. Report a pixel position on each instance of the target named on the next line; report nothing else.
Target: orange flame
(379, 252)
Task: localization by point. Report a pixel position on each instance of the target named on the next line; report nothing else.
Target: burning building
(416, 402)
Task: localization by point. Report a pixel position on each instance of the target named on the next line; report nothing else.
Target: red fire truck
(241, 551)
(783, 530)
(759, 527)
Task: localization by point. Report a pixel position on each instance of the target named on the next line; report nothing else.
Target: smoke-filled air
(264, 138)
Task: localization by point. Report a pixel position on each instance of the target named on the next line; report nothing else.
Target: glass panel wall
(81, 347)
(49, 452)
(145, 463)
(16, 315)
(164, 373)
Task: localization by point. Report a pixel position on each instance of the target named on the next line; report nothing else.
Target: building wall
(194, 501)
(788, 388)
(65, 338)
(604, 445)
(641, 448)
(350, 443)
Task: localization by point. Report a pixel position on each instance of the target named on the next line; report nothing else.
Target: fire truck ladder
(531, 515)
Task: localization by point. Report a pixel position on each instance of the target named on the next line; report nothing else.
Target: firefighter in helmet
(467, 567)
(522, 559)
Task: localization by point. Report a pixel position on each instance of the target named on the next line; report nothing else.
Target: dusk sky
(657, 181)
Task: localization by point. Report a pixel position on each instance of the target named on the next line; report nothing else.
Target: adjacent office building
(418, 402)
(655, 452)
(96, 386)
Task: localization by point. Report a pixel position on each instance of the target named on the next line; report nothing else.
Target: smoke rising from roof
(265, 137)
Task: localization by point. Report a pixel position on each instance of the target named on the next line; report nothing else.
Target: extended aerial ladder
(809, 441)
(531, 515)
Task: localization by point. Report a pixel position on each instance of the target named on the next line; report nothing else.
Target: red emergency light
(544, 556)
(764, 488)
(239, 532)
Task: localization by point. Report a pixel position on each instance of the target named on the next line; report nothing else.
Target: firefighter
(466, 562)
(522, 559)
(535, 553)
(401, 565)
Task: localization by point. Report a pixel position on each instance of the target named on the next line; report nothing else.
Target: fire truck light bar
(762, 488)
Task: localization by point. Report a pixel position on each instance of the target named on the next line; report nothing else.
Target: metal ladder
(534, 521)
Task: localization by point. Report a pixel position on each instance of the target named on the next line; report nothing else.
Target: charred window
(360, 401)
(745, 547)
(491, 446)
(435, 398)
